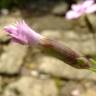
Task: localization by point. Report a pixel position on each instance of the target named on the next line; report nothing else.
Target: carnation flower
(77, 10)
(22, 33)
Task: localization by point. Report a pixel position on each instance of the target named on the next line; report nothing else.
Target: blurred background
(27, 71)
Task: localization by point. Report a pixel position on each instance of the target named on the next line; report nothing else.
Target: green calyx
(80, 60)
(93, 65)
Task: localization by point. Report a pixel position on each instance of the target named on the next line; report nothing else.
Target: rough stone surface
(72, 89)
(78, 88)
(12, 59)
(1, 85)
(82, 42)
(3, 22)
(29, 86)
(57, 68)
(89, 92)
(92, 19)
(60, 9)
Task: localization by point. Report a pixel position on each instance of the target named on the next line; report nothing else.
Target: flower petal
(76, 7)
(10, 29)
(88, 3)
(72, 15)
(21, 32)
(91, 9)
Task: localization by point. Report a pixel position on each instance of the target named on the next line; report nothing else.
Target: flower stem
(64, 53)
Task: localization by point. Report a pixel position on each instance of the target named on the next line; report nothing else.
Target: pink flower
(22, 33)
(77, 10)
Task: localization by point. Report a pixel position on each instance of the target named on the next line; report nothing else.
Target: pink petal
(31, 34)
(76, 7)
(88, 3)
(72, 15)
(10, 29)
(91, 9)
(83, 5)
(21, 32)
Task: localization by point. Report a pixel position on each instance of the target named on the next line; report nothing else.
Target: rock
(89, 92)
(6, 20)
(60, 9)
(1, 85)
(51, 34)
(78, 88)
(12, 59)
(28, 86)
(72, 89)
(82, 42)
(57, 68)
(50, 22)
(4, 11)
(90, 89)
(4, 39)
(91, 19)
